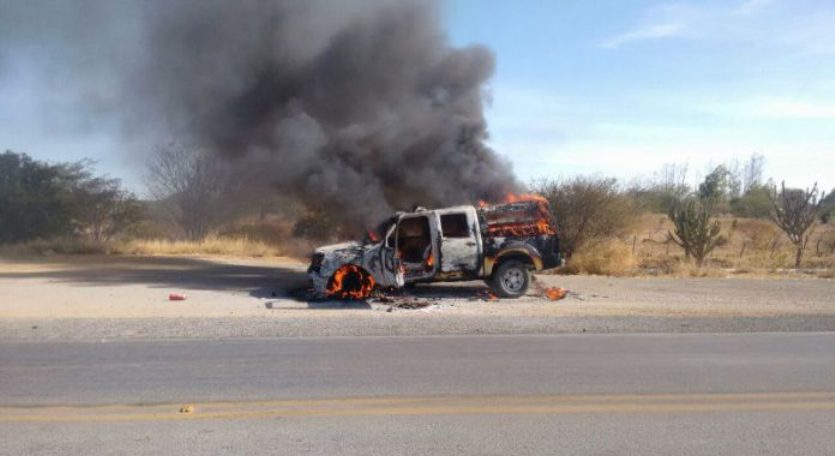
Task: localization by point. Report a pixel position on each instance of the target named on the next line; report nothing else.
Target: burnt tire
(350, 282)
(511, 279)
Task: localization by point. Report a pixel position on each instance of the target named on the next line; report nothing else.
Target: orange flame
(541, 225)
(430, 261)
(514, 198)
(351, 282)
(556, 293)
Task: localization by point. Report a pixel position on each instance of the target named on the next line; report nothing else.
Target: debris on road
(485, 295)
(412, 304)
(552, 293)
(176, 297)
(556, 293)
(187, 408)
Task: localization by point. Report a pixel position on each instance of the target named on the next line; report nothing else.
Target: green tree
(828, 207)
(42, 200)
(754, 203)
(35, 199)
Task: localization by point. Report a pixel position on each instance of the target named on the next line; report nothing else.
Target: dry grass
(268, 237)
(610, 257)
(753, 247)
(212, 245)
(58, 246)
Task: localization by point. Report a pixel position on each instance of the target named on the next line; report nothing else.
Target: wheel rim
(513, 279)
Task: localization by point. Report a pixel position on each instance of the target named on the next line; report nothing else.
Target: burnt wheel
(511, 279)
(350, 282)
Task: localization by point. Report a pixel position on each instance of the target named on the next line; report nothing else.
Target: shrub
(588, 209)
(755, 203)
(610, 257)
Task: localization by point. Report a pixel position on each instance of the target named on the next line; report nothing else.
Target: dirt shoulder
(117, 297)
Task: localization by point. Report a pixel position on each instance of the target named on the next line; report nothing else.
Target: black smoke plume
(359, 107)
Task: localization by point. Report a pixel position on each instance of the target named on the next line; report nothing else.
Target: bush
(828, 207)
(588, 209)
(755, 203)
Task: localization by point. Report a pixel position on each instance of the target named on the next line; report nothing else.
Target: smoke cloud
(359, 106)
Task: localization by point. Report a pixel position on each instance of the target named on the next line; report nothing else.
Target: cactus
(696, 231)
(795, 211)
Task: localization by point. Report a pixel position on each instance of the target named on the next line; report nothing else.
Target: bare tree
(672, 177)
(193, 186)
(104, 209)
(753, 173)
(696, 230)
(795, 212)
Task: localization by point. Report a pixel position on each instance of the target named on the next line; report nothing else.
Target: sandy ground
(248, 293)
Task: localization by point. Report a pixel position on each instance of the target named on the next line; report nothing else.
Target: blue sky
(588, 87)
(621, 88)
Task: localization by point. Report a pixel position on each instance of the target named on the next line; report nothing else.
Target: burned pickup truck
(502, 244)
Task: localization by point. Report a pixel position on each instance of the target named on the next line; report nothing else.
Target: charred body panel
(375, 259)
(451, 244)
(524, 229)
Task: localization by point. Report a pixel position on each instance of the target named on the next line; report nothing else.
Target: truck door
(460, 242)
(414, 247)
(392, 271)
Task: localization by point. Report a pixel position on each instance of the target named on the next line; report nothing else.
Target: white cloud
(805, 28)
(773, 108)
(752, 6)
(644, 33)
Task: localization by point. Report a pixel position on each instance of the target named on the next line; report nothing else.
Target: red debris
(556, 293)
(176, 297)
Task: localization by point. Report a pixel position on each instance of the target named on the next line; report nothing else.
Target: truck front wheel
(511, 279)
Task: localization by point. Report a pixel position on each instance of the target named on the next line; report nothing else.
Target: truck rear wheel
(511, 279)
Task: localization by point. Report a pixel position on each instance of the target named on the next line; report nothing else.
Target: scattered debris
(552, 293)
(176, 297)
(409, 305)
(187, 408)
(484, 295)
(556, 293)
(383, 299)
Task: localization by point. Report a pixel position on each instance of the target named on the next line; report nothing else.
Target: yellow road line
(433, 405)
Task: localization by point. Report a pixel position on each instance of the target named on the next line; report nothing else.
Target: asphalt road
(566, 394)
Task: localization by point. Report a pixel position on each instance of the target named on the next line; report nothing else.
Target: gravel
(125, 298)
